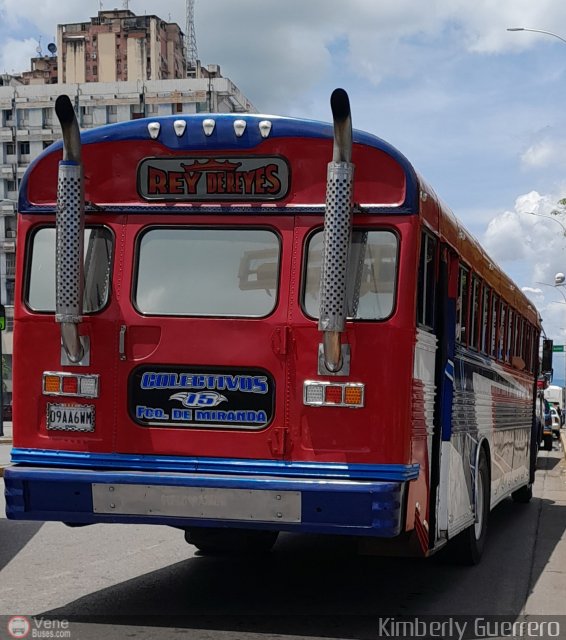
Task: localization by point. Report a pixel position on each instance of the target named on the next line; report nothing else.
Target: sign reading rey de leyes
(197, 179)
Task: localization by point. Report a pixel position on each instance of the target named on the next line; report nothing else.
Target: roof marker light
(265, 128)
(179, 126)
(153, 128)
(239, 127)
(208, 125)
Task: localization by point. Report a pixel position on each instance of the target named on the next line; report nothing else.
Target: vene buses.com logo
(24, 627)
(18, 627)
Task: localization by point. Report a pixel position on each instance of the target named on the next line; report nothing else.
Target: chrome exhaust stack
(69, 278)
(337, 236)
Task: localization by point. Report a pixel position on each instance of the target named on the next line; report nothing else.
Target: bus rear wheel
(231, 541)
(467, 547)
(523, 494)
(547, 442)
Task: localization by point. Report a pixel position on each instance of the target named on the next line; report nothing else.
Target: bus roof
(112, 154)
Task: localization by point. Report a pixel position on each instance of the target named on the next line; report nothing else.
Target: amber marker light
(51, 384)
(354, 395)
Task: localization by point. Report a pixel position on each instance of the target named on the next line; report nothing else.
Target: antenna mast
(191, 52)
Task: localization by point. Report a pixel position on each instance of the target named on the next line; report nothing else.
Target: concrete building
(28, 123)
(117, 45)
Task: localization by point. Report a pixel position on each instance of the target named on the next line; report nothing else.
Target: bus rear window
(207, 272)
(98, 243)
(372, 269)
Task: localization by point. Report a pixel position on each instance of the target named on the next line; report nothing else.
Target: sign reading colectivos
(198, 397)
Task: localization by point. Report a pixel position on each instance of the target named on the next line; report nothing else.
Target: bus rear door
(202, 349)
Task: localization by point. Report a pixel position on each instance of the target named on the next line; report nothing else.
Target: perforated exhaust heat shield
(337, 234)
(69, 278)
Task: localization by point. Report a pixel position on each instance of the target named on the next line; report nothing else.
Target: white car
(555, 421)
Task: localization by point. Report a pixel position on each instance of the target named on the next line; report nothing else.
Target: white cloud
(538, 243)
(282, 48)
(545, 153)
(530, 290)
(504, 238)
(12, 52)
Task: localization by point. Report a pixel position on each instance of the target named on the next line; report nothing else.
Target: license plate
(70, 417)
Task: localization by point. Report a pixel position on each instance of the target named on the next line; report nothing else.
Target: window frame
(28, 265)
(485, 320)
(360, 229)
(463, 296)
(427, 280)
(196, 227)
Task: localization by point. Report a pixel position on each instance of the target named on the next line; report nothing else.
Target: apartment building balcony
(40, 133)
(6, 134)
(7, 245)
(10, 266)
(8, 203)
(7, 171)
(9, 310)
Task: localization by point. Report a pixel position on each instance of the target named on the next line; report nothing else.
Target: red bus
(238, 325)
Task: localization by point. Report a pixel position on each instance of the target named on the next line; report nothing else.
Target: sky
(478, 110)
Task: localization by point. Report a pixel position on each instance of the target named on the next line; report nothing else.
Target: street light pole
(543, 215)
(559, 281)
(548, 33)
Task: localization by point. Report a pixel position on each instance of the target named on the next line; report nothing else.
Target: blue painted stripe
(236, 466)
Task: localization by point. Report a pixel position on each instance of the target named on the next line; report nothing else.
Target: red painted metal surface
(110, 171)
(285, 344)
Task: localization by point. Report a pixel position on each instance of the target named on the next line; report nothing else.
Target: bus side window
(510, 333)
(485, 321)
(475, 305)
(427, 282)
(501, 341)
(462, 306)
(494, 325)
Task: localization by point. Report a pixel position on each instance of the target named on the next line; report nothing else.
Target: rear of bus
(199, 397)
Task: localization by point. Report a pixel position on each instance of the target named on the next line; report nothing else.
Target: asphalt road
(119, 581)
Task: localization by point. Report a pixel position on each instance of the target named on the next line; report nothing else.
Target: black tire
(523, 494)
(467, 547)
(548, 442)
(231, 541)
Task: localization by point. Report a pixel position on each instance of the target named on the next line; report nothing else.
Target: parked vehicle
(556, 421)
(7, 412)
(557, 397)
(544, 419)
